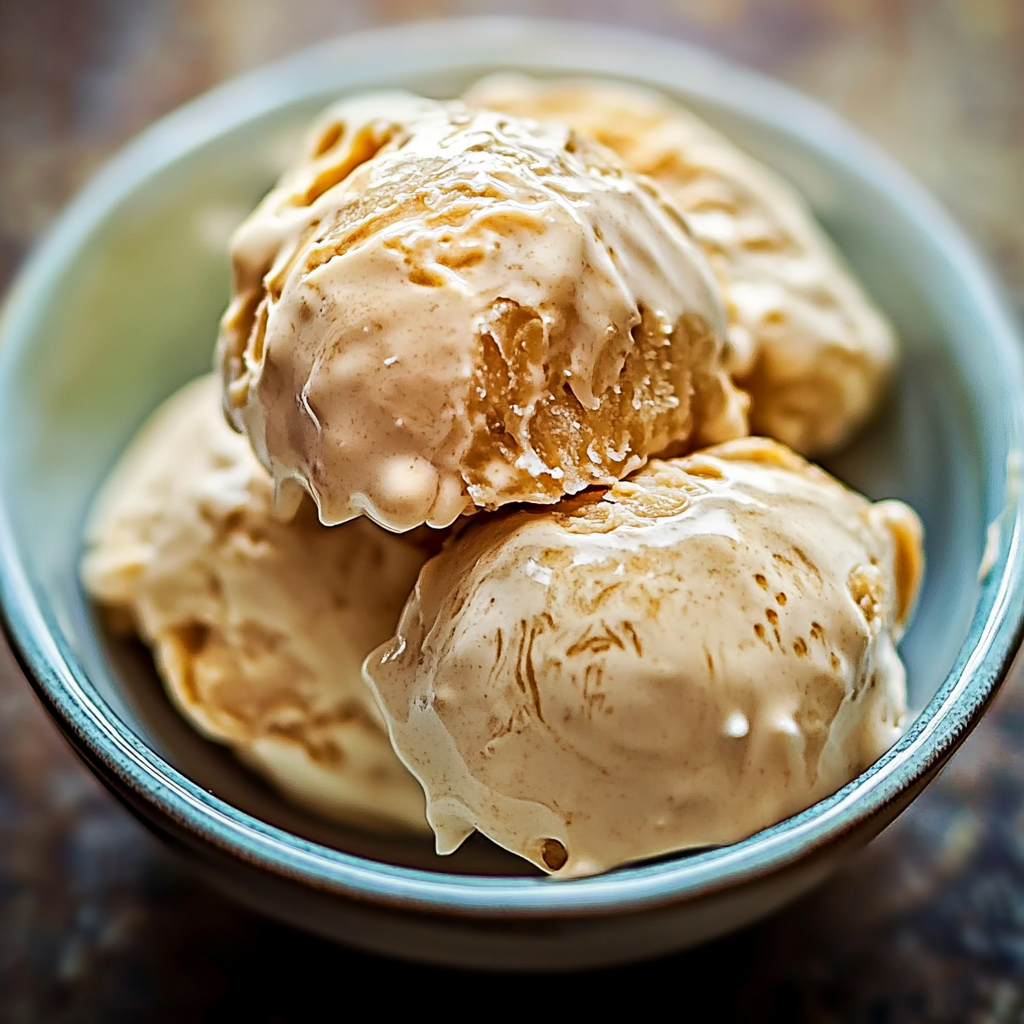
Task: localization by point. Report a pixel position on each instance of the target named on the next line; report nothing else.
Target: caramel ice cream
(804, 340)
(694, 654)
(258, 626)
(440, 309)
(542, 300)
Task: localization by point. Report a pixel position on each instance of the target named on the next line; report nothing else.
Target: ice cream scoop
(441, 309)
(258, 626)
(678, 661)
(805, 340)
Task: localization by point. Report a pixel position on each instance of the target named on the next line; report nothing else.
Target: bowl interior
(128, 308)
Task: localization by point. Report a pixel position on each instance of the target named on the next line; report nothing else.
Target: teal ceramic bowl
(119, 306)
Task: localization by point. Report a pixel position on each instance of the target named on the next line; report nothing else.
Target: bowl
(119, 306)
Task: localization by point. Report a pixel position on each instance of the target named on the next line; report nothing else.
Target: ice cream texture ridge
(440, 309)
(804, 339)
(258, 626)
(700, 651)
(496, 514)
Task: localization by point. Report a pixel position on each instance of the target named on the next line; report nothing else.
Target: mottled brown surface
(927, 926)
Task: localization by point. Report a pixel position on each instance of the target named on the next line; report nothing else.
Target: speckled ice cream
(441, 309)
(805, 341)
(258, 626)
(702, 651)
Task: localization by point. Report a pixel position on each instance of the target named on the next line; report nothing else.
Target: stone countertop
(927, 925)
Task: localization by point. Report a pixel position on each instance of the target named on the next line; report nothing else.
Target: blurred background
(97, 923)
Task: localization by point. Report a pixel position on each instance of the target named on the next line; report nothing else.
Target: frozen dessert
(440, 309)
(258, 626)
(488, 548)
(805, 341)
(680, 660)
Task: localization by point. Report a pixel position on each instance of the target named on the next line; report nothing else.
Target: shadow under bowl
(119, 306)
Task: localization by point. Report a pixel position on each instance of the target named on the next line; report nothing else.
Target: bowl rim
(533, 45)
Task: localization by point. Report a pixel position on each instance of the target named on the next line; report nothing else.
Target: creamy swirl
(690, 656)
(804, 340)
(258, 626)
(442, 309)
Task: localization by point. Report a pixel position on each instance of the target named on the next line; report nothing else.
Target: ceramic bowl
(119, 306)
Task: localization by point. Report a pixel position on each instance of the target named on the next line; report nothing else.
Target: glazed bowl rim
(111, 746)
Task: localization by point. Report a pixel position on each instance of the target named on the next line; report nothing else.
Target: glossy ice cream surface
(258, 626)
(805, 341)
(697, 653)
(441, 309)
